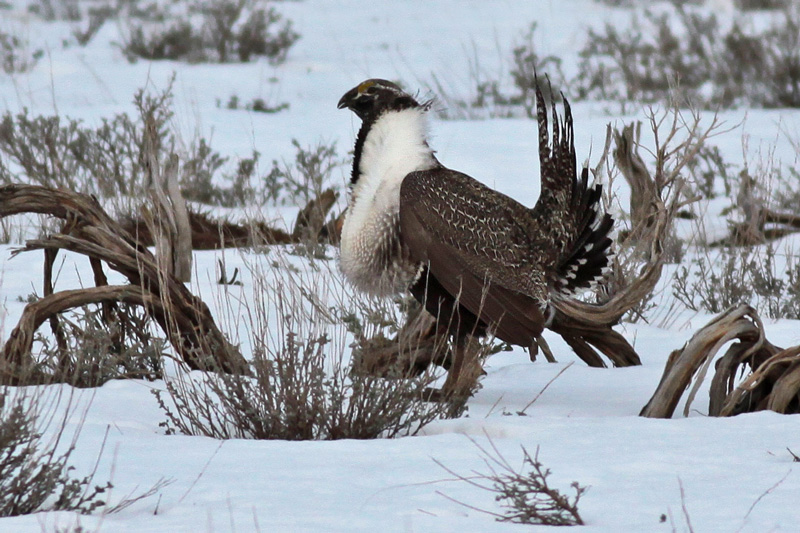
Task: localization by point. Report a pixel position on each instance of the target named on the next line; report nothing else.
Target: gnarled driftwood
(88, 230)
(773, 381)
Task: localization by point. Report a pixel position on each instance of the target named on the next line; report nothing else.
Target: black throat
(355, 172)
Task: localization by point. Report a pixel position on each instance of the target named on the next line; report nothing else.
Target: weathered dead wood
(311, 219)
(55, 325)
(656, 199)
(773, 382)
(750, 232)
(644, 192)
(765, 226)
(774, 385)
(584, 336)
(738, 323)
(211, 234)
(15, 362)
(208, 233)
(759, 223)
(169, 218)
(332, 230)
(787, 219)
(184, 318)
(415, 347)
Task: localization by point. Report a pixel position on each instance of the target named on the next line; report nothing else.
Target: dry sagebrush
(302, 385)
(35, 452)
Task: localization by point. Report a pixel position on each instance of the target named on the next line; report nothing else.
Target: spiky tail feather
(588, 259)
(569, 210)
(559, 183)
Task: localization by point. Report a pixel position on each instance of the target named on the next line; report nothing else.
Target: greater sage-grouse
(473, 256)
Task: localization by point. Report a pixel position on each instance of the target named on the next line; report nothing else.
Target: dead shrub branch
(89, 231)
(773, 380)
(655, 200)
(527, 497)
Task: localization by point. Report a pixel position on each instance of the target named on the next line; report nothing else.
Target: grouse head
(370, 98)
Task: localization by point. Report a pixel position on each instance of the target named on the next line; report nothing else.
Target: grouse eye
(362, 105)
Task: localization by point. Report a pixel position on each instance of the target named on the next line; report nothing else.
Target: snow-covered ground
(701, 473)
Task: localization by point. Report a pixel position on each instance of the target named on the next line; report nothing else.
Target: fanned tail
(569, 211)
(588, 259)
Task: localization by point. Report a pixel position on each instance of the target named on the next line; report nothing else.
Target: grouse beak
(348, 98)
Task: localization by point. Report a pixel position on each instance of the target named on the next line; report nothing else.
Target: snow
(730, 474)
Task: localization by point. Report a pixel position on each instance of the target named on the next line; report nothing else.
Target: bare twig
(545, 388)
(132, 497)
(684, 509)
(529, 497)
(202, 471)
(766, 493)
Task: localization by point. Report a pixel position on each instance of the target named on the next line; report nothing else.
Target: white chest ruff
(371, 252)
